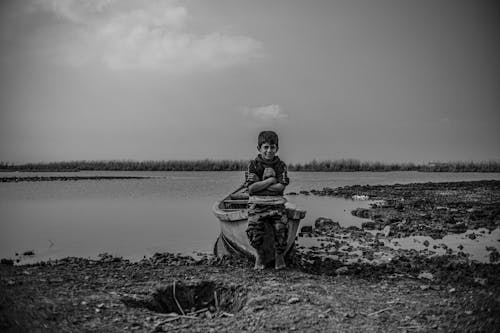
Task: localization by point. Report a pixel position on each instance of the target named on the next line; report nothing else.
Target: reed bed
(347, 165)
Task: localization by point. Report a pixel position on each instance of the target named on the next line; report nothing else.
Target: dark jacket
(257, 167)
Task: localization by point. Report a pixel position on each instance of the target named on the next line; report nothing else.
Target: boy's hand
(268, 173)
(252, 178)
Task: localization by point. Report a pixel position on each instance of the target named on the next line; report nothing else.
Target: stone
(481, 281)
(361, 212)
(293, 300)
(5, 261)
(458, 228)
(325, 222)
(426, 275)
(306, 229)
(342, 270)
(494, 254)
(370, 225)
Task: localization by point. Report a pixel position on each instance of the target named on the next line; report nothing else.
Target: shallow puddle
(337, 209)
(477, 247)
(475, 243)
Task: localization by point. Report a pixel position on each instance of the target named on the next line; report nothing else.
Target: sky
(385, 80)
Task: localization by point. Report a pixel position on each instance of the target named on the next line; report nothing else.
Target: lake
(170, 212)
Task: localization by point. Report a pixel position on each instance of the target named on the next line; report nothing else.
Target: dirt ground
(412, 292)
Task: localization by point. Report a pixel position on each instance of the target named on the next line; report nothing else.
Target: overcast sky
(385, 80)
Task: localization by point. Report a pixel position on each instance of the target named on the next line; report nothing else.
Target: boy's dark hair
(267, 137)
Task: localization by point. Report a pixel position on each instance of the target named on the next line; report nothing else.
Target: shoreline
(351, 281)
(65, 178)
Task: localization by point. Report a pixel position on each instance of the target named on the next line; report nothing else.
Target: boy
(266, 180)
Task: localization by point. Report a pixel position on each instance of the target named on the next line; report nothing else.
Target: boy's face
(268, 150)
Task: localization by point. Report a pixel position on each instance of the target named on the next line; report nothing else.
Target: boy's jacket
(257, 167)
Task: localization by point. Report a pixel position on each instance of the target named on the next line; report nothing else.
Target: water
(169, 212)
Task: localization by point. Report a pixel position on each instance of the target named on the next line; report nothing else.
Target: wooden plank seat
(236, 201)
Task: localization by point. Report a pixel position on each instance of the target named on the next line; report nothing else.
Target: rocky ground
(338, 285)
(432, 209)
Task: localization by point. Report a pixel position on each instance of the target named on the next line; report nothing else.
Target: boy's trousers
(258, 215)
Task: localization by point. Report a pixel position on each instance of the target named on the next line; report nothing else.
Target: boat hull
(233, 238)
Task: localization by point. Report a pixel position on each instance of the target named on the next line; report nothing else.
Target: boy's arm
(261, 185)
(251, 175)
(278, 187)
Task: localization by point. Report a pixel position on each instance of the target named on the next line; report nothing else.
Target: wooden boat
(232, 213)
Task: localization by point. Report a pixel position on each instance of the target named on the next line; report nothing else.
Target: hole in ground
(193, 296)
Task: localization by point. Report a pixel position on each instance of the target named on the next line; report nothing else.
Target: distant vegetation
(239, 165)
(356, 165)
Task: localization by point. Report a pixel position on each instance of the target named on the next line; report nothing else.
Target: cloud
(77, 11)
(268, 112)
(144, 35)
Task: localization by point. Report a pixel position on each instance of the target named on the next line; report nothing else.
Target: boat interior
(236, 201)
